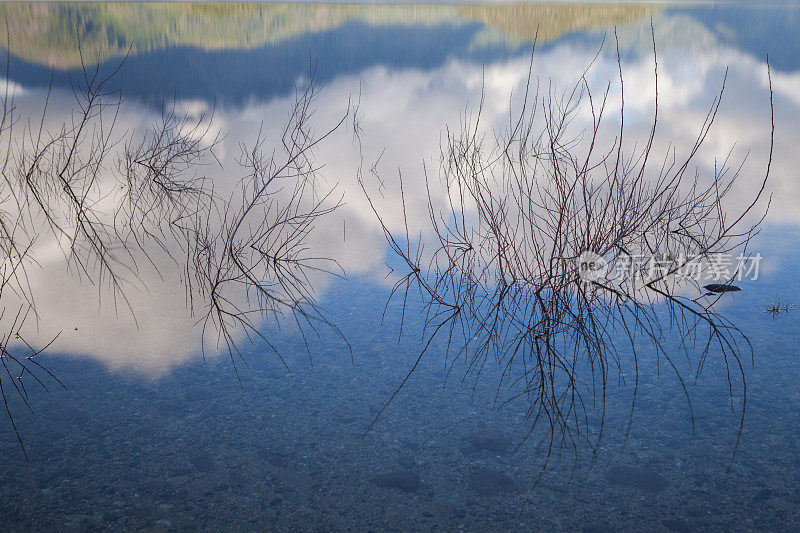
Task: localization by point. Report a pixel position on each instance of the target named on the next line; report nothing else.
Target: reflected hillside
(44, 33)
(755, 30)
(522, 22)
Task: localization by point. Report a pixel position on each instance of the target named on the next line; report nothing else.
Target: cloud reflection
(403, 114)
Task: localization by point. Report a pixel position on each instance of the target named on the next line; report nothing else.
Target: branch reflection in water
(112, 210)
(498, 266)
(180, 215)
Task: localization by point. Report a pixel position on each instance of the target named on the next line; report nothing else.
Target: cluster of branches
(115, 202)
(255, 260)
(497, 267)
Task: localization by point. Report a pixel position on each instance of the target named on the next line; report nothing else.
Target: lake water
(159, 427)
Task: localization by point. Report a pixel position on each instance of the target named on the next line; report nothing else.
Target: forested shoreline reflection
(42, 33)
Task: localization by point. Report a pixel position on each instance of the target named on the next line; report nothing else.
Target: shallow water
(149, 434)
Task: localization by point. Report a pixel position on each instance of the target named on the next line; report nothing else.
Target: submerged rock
(675, 524)
(404, 480)
(169, 408)
(721, 287)
(793, 498)
(489, 439)
(276, 455)
(274, 459)
(247, 475)
(638, 478)
(487, 482)
(406, 461)
(601, 527)
(158, 528)
(203, 462)
(296, 481)
(764, 494)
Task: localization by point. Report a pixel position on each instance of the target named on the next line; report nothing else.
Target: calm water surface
(150, 435)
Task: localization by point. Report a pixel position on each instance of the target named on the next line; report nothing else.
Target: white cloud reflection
(404, 113)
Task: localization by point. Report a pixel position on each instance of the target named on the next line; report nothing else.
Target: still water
(159, 426)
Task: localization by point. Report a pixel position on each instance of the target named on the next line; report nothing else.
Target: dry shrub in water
(118, 201)
(498, 268)
(255, 261)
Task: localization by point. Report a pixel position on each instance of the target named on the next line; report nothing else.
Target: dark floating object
(721, 287)
(404, 480)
